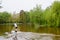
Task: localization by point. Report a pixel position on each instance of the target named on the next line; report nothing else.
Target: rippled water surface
(30, 36)
(28, 28)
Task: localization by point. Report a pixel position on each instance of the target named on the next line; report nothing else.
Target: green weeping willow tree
(52, 15)
(36, 16)
(49, 17)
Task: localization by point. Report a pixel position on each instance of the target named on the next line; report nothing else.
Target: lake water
(30, 36)
(30, 28)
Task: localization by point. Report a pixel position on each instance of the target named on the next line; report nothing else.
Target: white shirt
(15, 25)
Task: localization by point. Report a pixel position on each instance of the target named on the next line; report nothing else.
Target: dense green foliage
(4, 17)
(50, 17)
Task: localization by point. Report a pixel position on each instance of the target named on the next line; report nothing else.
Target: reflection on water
(30, 28)
(31, 36)
(1, 38)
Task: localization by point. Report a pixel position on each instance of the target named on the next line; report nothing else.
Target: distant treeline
(50, 17)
